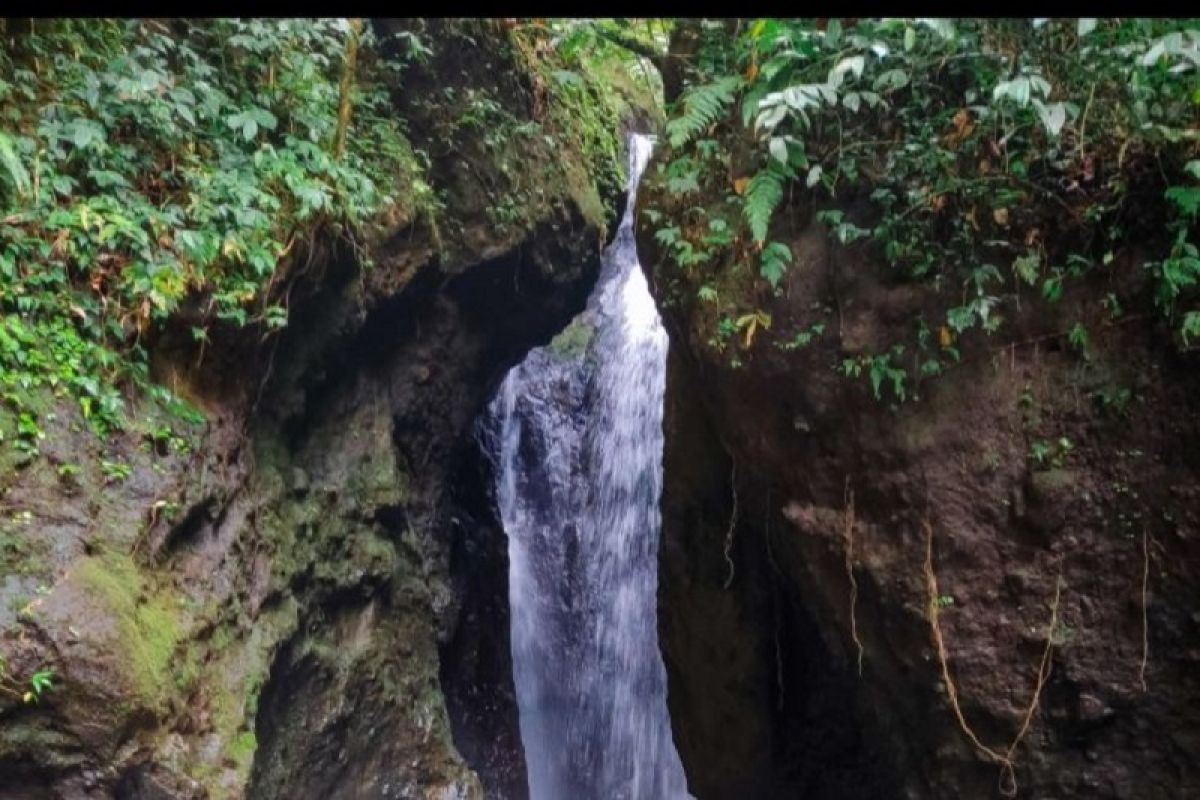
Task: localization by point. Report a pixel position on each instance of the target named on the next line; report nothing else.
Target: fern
(702, 106)
(762, 196)
(12, 164)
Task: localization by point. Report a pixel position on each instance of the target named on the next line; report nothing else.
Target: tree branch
(348, 66)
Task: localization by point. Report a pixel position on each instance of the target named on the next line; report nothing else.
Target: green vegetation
(617, 59)
(572, 342)
(149, 168)
(31, 691)
(148, 628)
(992, 162)
(155, 170)
(587, 80)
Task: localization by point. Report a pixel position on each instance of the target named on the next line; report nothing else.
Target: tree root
(1145, 615)
(1008, 778)
(775, 601)
(848, 535)
(732, 525)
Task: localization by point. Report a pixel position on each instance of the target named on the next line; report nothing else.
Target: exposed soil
(1119, 498)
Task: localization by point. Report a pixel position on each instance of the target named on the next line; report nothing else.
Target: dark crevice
(476, 662)
(761, 705)
(185, 532)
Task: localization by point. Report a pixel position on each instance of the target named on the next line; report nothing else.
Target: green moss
(147, 626)
(572, 342)
(242, 748)
(237, 666)
(21, 554)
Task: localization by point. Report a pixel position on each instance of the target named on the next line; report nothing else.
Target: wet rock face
(1033, 469)
(761, 704)
(273, 615)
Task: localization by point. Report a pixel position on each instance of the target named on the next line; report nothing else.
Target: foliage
(594, 80)
(146, 167)
(147, 620)
(38, 683)
(995, 156)
(762, 198)
(700, 107)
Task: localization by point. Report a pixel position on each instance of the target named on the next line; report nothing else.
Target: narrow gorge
(599, 409)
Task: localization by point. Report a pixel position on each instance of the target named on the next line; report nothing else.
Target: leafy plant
(40, 682)
(763, 196)
(775, 258)
(700, 107)
(1022, 143)
(1054, 455)
(115, 470)
(804, 337)
(145, 166)
(880, 368)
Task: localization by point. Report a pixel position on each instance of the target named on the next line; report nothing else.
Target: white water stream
(579, 475)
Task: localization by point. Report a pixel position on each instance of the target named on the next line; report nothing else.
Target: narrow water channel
(579, 446)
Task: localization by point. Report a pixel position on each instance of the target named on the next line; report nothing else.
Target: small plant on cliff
(593, 74)
(31, 691)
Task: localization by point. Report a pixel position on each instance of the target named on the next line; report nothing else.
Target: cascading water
(577, 443)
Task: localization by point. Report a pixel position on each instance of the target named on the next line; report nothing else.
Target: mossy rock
(572, 342)
(148, 626)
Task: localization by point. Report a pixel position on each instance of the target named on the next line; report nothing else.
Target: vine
(1008, 779)
(848, 535)
(732, 524)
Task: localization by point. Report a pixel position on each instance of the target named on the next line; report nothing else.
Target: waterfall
(577, 443)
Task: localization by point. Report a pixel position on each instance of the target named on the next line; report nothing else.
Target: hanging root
(775, 592)
(1008, 777)
(848, 534)
(778, 662)
(1145, 617)
(732, 525)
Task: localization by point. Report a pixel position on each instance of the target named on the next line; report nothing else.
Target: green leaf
(1190, 327)
(1078, 336)
(265, 119)
(84, 132)
(682, 184)
(1027, 267)
(1052, 288)
(1053, 116)
(891, 79)
(701, 107)
(853, 64)
(960, 318)
(942, 27)
(12, 164)
(568, 77)
(778, 149)
(1186, 199)
(763, 194)
(775, 259)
